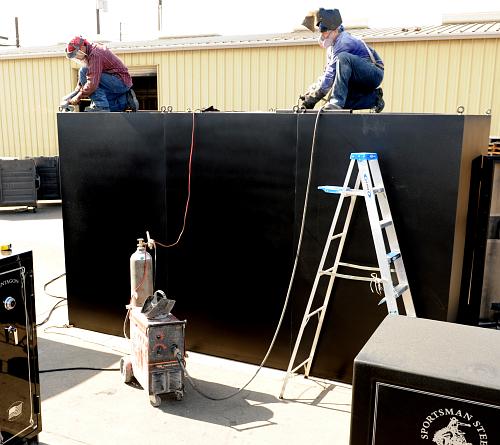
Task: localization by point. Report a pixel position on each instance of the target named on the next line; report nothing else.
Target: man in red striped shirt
(103, 78)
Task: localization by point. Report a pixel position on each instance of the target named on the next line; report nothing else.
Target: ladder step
(353, 277)
(338, 235)
(385, 222)
(363, 156)
(393, 256)
(315, 312)
(348, 190)
(359, 266)
(338, 190)
(398, 291)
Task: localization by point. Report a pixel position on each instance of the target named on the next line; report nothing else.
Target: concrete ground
(96, 407)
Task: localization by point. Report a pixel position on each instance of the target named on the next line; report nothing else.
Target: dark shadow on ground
(54, 355)
(241, 412)
(45, 210)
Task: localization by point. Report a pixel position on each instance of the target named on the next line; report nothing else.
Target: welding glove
(75, 99)
(311, 98)
(72, 94)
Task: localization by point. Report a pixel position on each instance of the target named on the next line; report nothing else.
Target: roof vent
(471, 17)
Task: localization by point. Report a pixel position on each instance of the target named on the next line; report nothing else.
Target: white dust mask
(327, 41)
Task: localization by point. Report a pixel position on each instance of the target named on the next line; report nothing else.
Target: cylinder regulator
(141, 274)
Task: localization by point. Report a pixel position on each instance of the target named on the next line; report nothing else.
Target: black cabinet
(20, 418)
(18, 183)
(419, 381)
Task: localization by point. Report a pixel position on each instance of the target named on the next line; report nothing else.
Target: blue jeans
(111, 94)
(356, 80)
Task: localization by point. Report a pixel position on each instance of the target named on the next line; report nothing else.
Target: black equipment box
(47, 169)
(20, 417)
(419, 381)
(18, 183)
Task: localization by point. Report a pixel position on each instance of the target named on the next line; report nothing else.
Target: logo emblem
(369, 190)
(15, 410)
(9, 281)
(450, 426)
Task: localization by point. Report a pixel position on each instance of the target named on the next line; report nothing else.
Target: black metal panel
(230, 272)
(478, 228)
(420, 164)
(113, 189)
(20, 416)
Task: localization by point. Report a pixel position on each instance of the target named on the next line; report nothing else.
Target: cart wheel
(126, 369)
(179, 395)
(155, 400)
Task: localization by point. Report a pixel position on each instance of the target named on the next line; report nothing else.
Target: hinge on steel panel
(36, 404)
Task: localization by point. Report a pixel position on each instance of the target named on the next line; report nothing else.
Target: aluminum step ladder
(369, 184)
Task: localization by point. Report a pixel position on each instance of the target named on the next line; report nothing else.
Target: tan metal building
(434, 69)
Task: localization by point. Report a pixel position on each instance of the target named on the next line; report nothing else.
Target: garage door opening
(145, 80)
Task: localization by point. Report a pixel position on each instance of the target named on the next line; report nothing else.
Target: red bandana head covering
(74, 46)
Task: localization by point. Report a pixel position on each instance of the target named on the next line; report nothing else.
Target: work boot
(380, 104)
(132, 102)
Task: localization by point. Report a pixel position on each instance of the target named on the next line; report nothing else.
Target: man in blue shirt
(353, 70)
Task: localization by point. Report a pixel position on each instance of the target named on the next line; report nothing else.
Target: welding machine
(158, 349)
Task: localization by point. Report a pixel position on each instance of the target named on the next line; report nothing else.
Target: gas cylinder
(141, 274)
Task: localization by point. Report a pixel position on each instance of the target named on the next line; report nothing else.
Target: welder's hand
(308, 102)
(75, 100)
(310, 99)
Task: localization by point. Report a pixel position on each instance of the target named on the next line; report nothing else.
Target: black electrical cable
(77, 368)
(61, 299)
(178, 356)
(50, 282)
(51, 312)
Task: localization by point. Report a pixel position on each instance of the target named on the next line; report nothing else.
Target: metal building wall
(233, 79)
(30, 91)
(439, 76)
(421, 76)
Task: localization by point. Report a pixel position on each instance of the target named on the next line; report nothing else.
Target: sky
(47, 22)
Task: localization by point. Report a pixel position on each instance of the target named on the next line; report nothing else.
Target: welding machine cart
(153, 361)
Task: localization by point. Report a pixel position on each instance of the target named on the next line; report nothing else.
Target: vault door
(17, 417)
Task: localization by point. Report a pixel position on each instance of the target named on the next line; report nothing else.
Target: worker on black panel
(103, 78)
(353, 70)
